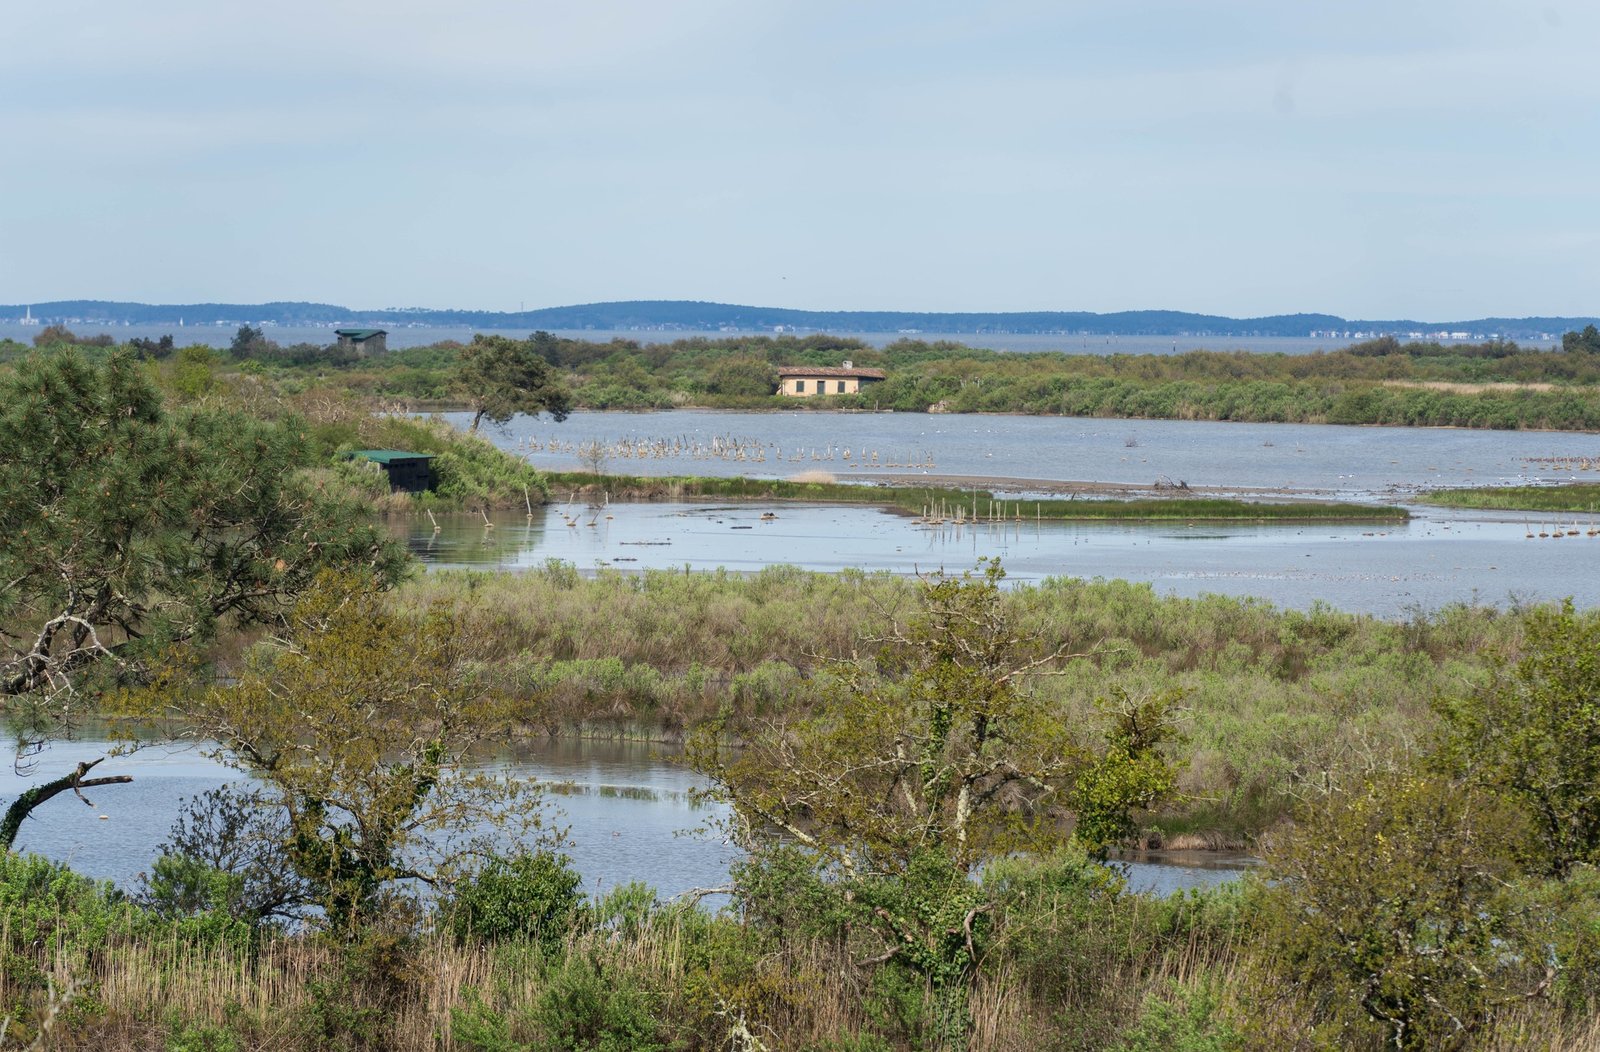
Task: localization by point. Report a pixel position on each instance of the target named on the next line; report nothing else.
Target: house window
(841, 387)
(799, 387)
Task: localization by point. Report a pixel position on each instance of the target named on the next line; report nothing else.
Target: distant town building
(808, 381)
(367, 340)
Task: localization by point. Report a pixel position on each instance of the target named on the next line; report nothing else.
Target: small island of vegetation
(1576, 497)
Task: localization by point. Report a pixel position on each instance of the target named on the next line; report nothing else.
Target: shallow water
(1372, 463)
(1438, 558)
(628, 810)
(626, 806)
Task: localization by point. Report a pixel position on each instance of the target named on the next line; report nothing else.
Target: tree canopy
(501, 377)
(125, 529)
(939, 744)
(1533, 735)
(356, 722)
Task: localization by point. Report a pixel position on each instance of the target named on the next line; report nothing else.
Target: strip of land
(943, 501)
(1577, 497)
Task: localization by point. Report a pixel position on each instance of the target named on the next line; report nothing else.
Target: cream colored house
(808, 381)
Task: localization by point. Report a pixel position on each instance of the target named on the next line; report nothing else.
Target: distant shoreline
(671, 318)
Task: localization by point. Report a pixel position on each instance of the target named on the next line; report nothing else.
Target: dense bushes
(1416, 897)
(1275, 699)
(1378, 382)
(1069, 959)
(533, 897)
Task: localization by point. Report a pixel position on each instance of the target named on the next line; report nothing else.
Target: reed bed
(1116, 988)
(704, 979)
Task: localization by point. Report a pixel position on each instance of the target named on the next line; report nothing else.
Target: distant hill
(688, 315)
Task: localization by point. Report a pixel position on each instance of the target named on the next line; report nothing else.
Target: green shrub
(50, 915)
(535, 896)
(627, 909)
(1184, 1019)
(590, 1007)
(190, 1037)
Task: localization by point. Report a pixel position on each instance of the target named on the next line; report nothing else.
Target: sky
(1427, 159)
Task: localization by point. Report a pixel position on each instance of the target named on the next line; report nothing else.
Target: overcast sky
(1434, 159)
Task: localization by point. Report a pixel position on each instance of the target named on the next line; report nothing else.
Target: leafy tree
(940, 744)
(743, 375)
(501, 377)
(225, 853)
(153, 349)
(922, 768)
(1587, 340)
(125, 530)
(250, 342)
(1534, 735)
(357, 721)
(1132, 773)
(1404, 900)
(193, 374)
(54, 335)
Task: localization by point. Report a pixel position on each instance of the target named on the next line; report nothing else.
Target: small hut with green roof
(411, 472)
(367, 341)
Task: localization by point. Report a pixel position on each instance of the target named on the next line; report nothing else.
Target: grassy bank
(1273, 698)
(952, 505)
(1069, 962)
(1573, 497)
(627, 974)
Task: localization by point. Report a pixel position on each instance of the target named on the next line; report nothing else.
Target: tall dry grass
(805, 993)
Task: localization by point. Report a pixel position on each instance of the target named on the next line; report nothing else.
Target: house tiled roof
(829, 370)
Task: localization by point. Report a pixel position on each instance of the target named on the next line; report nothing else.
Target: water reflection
(1440, 557)
(627, 806)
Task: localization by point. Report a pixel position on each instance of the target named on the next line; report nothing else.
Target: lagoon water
(1440, 557)
(1437, 559)
(626, 807)
(1362, 463)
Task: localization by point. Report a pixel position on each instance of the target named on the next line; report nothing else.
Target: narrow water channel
(626, 806)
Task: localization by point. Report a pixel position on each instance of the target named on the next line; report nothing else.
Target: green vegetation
(1416, 900)
(898, 787)
(1274, 699)
(500, 378)
(128, 531)
(925, 774)
(353, 724)
(326, 419)
(967, 505)
(1382, 381)
(1573, 497)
